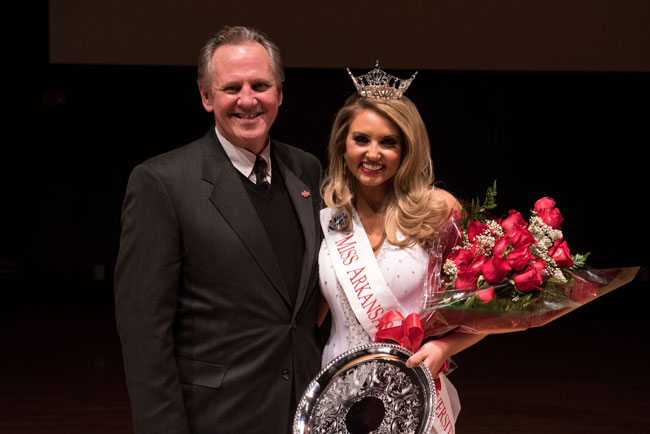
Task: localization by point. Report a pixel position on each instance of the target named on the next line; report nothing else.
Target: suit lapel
(230, 198)
(301, 197)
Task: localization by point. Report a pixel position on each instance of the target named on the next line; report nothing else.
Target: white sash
(357, 270)
(447, 407)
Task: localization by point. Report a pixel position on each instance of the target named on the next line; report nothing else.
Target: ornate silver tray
(367, 390)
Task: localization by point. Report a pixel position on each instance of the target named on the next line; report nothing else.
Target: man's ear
(206, 100)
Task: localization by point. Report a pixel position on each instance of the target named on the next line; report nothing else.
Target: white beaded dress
(404, 271)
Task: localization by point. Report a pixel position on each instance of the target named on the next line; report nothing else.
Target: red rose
(519, 258)
(475, 228)
(520, 237)
(476, 248)
(539, 264)
(500, 246)
(560, 252)
(477, 263)
(466, 278)
(494, 270)
(545, 209)
(544, 203)
(529, 279)
(461, 256)
(514, 219)
(468, 274)
(487, 294)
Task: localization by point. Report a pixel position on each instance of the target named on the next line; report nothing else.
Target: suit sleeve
(146, 286)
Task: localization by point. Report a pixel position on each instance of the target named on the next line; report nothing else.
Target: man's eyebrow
(229, 83)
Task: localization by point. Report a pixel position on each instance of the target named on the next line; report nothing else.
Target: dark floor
(61, 372)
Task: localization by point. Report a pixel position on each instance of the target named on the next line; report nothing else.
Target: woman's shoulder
(438, 197)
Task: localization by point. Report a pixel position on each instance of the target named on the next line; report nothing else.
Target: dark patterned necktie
(259, 168)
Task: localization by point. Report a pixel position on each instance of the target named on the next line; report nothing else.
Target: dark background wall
(561, 127)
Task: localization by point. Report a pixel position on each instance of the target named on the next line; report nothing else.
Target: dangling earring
(345, 157)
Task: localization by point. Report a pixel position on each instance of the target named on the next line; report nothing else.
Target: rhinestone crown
(380, 84)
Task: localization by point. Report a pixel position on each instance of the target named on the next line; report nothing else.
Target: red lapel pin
(305, 193)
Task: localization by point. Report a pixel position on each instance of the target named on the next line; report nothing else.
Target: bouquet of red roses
(502, 275)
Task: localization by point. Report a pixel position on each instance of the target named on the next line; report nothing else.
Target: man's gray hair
(235, 36)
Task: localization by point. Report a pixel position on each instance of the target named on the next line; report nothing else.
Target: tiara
(379, 84)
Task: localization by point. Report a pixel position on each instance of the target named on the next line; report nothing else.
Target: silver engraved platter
(367, 390)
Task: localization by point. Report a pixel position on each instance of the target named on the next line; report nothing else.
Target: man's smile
(246, 115)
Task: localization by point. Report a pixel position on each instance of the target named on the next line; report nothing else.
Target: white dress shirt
(243, 159)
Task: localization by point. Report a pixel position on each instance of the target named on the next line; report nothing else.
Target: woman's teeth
(371, 166)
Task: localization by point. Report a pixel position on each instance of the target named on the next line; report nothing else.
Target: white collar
(243, 159)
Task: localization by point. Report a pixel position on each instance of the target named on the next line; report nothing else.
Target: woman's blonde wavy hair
(412, 205)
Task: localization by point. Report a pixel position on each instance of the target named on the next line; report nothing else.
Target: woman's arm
(450, 200)
(435, 352)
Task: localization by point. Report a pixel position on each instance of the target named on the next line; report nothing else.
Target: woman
(382, 215)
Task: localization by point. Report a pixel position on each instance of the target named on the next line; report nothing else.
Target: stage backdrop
(576, 35)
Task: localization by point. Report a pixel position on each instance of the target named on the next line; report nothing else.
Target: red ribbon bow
(408, 334)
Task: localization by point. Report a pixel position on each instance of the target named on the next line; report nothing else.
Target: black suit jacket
(211, 343)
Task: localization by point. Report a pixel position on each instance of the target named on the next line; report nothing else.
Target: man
(216, 278)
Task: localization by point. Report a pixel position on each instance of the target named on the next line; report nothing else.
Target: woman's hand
(435, 352)
(432, 353)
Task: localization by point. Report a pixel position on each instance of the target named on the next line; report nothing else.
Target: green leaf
(470, 301)
(490, 197)
(476, 210)
(579, 261)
